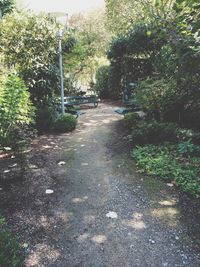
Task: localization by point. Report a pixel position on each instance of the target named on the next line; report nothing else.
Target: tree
(123, 14)
(28, 44)
(6, 6)
(89, 51)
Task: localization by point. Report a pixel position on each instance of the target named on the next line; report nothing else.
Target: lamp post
(60, 35)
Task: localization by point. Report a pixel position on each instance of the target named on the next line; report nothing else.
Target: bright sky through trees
(69, 6)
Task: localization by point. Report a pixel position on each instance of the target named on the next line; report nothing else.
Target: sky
(67, 6)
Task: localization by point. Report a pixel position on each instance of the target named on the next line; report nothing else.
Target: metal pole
(61, 76)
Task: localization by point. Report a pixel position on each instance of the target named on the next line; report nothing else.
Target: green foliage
(6, 6)
(108, 83)
(142, 39)
(163, 162)
(10, 252)
(159, 96)
(46, 116)
(102, 82)
(28, 43)
(154, 133)
(65, 123)
(123, 14)
(16, 115)
(188, 149)
(88, 53)
(15, 107)
(131, 120)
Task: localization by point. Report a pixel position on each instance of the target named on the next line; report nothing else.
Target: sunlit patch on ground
(41, 254)
(167, 214)
(99, 239)
(136, 222)
(167, 202)
(83, 237)
(78, 200)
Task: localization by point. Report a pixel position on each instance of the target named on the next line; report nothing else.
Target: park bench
(129, 102)
(130, 106)
(71, 101)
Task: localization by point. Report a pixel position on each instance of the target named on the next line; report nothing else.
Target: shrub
(188, 149)
(16, 115)
(158, 97)
(102, 86)
(46, 116)
(154, 133)
(10, 255)
(65, 123)
(29, 45)
(164, 162)
(131, 119)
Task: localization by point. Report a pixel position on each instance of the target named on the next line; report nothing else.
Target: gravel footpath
(100, 212)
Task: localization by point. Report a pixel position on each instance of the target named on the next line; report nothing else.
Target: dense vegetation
(154, 44)
(156, 47)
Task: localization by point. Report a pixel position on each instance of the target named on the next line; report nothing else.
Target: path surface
(69, 228)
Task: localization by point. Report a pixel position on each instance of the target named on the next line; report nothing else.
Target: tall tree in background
(6, 6)
(92, 40)
(123, 14)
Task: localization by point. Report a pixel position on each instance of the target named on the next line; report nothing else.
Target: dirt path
(69, 228)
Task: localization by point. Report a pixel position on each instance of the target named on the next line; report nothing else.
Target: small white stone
(152, 241)
(6, 171)
(7, 148)
(25, 245)
(61, 163)
(176, 237)
(49, 191)
(14, 165)
(170, 185)
(84, 164)
(112, 215)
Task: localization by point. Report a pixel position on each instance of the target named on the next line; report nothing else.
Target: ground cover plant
(171, 163)
(10, 251)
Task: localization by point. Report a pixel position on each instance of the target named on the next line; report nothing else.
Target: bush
(65, 123)
(188, 149)
(16, 115)
(131, 120)
(15, 104)
(45, 117)
(102, 86)
(10, 255)
(164, 162)
(154, 133)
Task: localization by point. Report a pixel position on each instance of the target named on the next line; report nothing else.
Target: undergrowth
(177, 163)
